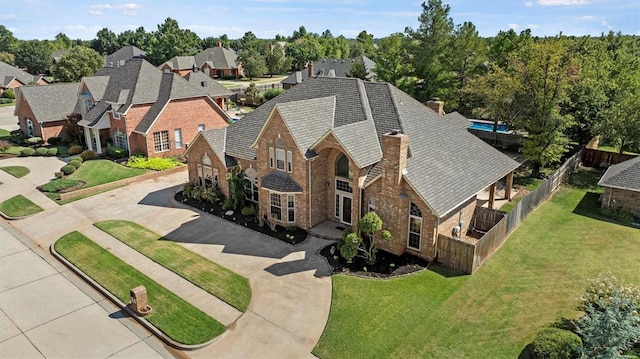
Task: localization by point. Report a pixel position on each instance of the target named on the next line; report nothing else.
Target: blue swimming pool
(488, 126)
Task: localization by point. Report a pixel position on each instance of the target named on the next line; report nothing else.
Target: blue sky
(43, 19)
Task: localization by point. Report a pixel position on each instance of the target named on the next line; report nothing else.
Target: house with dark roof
(328, 68)
(215, 62)
(217, 92)
(621, 184)
(144, 110)
(42, 110)
(12, 77)
(331, 149)
(124, 54)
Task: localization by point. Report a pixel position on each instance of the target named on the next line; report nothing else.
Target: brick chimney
(436, 105)
(395, 146)
(310, 70)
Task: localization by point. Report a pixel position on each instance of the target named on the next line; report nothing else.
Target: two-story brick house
(332, 149)
(145, 110)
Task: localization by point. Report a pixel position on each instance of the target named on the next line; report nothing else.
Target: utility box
(139, 302)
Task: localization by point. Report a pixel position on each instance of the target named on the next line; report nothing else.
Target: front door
(343, 201)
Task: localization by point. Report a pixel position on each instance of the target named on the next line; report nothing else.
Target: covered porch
(95, 135)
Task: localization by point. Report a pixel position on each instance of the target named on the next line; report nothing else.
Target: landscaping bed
(387, 265)
(291, 235)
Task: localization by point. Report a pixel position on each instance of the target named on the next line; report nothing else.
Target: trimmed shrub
(75, 150)
(5, 100)
(52, 151)
(618, 214)
(5, 145)
(271, 93)
(34, 140)
(59, 174)
(67, 169)
(41, 151)
(249, 211)
(8, 93)
(117, 152)
(76, 159)
(555, 343)
(27, 152)
(75, 164)
(88, 155)
(58, 185)
(54, 141)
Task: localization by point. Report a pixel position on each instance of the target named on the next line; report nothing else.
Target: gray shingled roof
(331, 68)
(52, 102)
(124, 54)
(624, 175)
(9, 72)
(213, 88)
(447, 164)
(281, 182)
(96, 85)
(216, 139)
(181, 63)
(219, 58)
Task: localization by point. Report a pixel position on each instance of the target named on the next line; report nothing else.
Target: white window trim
(271, 158)
(271, 205)
(281, 152)
(116, 116)
(201, 127)
(291, 208)
(409, 232)
(253, 190)
(216, 179)
(177, 133)
(168, 143)
(289, 161)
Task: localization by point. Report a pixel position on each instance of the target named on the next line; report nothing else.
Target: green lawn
(614, 149)
(97, 172)
(171, 314)
(19, 206)
(534, 280)
(16, 171)
(213, 278)
(4, 133)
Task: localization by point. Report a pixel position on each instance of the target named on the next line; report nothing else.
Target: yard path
(291, 285)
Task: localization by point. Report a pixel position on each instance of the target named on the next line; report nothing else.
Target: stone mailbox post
(139, 302)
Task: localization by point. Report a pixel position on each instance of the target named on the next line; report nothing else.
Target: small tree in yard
(236, 189)
(353, 245)
(611, 323)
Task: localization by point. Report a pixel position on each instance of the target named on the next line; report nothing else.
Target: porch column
(492, 195)
(98, 144)
(87, 137)
(508, 186)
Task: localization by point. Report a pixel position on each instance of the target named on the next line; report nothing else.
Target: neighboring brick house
(122, 55)
(328, 68)
(215, 62)
(144, 110)
(621, 184)
(217, 92)
(12, 77)
(331, 149)
(42, 110)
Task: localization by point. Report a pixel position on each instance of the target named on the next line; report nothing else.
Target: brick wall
(53, 129)
(462, 213)
(619, 198)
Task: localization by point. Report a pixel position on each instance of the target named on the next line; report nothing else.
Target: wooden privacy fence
(593, 157)
(468, 258)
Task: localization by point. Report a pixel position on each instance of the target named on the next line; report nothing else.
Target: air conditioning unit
(456, 231)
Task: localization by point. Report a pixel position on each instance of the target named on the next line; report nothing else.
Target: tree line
(560, 90)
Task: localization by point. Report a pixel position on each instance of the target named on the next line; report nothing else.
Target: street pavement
(291, 285)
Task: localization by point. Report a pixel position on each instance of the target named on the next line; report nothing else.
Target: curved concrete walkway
(291, 285)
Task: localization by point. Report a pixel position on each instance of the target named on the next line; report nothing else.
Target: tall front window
(291, 208)
(276, 206)
(120, 139)
(415, 227)
(280, 158)
(342, 167)
(31, 129)
(161, 141)
(251, 190)
(177, 133)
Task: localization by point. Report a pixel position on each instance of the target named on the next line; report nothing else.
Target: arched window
(280, 142)
(206, 160)
(31, 129)
(342, 166)
(415, 227)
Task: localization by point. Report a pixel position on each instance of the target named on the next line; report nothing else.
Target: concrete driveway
(8, 121)
(291, 285)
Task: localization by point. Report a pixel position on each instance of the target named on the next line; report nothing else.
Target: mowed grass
(534, 280)
(217, 280)
(16, 171)
(171, 314)
(97, 172)
(19, 206)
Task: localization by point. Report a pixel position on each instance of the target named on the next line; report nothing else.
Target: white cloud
(128, 9)
(528, 4)
(561, 2)
(95, 12)
(7, 17)
(209, 30)
(101, 7)
(513, 26)
(533, 26)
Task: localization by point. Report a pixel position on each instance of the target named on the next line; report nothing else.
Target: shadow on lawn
(589, 206)
(444, 271)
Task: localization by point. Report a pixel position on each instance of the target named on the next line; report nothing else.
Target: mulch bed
(291, 235)
(387, 265)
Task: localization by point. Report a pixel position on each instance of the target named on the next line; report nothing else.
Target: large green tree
(392, 58)
(106, 42)
(363, 46)
(7, 40)
(170, 40)
(33, 55)
(276, 61)
(431, 42)
(77, 63)
(303, 50)
(253, 63)
(529, 94)
(139, 38)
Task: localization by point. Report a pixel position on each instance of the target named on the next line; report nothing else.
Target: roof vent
(203, 83)
(395, 132)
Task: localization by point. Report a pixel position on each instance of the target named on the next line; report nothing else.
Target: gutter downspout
(309, 206)
(435, 233)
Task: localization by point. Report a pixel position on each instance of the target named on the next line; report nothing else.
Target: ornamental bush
(58, 185)
(76, 159)
(53, 141)
(75, 149)
(67, 169)
(8, 93)
(52, 151)
(34, 141)
(75, 164)
(117, 152)
(87, 155)
(555, 343)
(5, 100)
(5, 145)
(27, 152)
(41, 151)
(271, 93)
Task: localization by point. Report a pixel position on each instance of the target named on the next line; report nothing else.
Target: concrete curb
(145, 323)
(3, 215)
